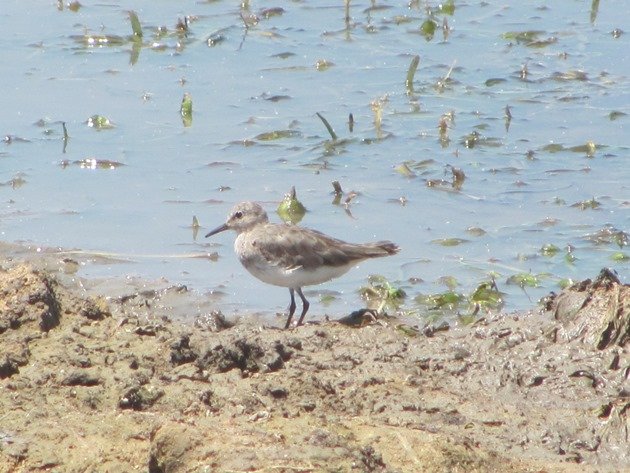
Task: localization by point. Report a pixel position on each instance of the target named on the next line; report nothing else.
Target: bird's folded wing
(292, 247)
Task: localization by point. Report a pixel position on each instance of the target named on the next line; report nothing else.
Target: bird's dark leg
(305, 305)
(291, 307)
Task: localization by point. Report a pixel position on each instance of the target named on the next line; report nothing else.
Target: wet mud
(106, 384)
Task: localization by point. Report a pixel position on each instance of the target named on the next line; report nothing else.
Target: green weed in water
(590, 204)
(487, 295)
(524, 280)
(411, 72)
(619, 257)
(136, 27)
(332, 133)
(99, 122)
(449, 241)
(291, 209)
(525, 37)
(549, 250)
(277, 135)
(381, 292)
(186, 109)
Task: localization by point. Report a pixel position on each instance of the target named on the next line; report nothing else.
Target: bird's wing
(292, 247)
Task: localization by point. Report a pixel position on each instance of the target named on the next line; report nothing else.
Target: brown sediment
(105, 384)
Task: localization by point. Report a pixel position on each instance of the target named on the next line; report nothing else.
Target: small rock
(81, 378)
(140, 398)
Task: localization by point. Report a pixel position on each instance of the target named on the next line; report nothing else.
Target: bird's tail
(388, 247)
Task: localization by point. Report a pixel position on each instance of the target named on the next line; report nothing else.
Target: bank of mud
(105, 384)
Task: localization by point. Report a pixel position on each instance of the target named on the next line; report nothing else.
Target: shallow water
(521, 186)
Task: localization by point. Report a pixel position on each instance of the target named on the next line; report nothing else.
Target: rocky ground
(106, 385)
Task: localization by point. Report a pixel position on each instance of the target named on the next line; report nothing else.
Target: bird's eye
(238, 215)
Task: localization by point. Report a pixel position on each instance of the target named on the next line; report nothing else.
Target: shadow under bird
(291, 256)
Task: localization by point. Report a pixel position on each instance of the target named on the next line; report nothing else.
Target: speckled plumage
(291, 256)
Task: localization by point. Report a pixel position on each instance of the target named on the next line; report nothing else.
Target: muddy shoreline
(107, 384)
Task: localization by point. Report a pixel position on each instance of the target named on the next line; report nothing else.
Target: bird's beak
(220, 229)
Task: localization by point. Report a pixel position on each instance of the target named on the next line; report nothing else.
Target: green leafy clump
(487, 294)
(524, 280)
(590, 204)
(444, 300)
(381, 293)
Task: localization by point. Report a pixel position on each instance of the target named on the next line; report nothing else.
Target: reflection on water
(486, 140)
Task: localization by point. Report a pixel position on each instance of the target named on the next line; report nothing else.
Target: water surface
(529, 184)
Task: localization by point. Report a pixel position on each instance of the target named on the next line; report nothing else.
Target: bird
(291, 256)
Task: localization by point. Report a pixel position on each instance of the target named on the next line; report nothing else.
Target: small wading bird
(291, 256)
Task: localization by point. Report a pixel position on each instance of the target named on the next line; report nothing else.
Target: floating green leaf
(427, 29)
(522, 36)
(449, 241)
(291, 209)
(404, 170)
(99, 122)
(448, 299)
(549, 249)
(524, 279)
(553, 148)
(276, 135)
(323, 65)
(569, 257)
(589, 149)
(136, 27)
(186, 109)
(448, 7)
(619, 257)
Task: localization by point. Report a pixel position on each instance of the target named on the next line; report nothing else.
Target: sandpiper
(291, 256)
